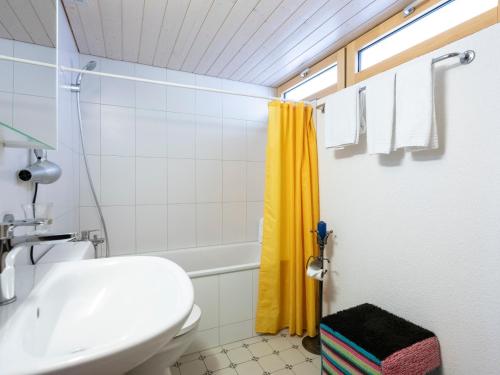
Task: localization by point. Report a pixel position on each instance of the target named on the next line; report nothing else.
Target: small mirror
(28, 114)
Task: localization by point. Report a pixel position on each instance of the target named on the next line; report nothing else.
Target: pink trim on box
(418, 359)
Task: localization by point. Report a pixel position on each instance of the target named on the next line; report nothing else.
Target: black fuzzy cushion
(375, 330)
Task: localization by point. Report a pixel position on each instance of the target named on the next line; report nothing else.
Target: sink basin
(99, 316)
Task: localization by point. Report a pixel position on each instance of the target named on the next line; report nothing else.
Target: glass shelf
(12, 137)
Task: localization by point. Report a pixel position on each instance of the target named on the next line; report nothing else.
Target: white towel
(342, 118)
(415, 120)
(380, 113)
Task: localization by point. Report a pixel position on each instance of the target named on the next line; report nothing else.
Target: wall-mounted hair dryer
(41, 171)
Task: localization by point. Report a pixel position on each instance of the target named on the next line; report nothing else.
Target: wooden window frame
(458, 32)
(337, 57)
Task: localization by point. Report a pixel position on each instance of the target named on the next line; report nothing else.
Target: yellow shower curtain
(287, 299)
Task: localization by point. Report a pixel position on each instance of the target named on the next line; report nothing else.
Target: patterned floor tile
(305, 368)
(189, 357)
(239, 355)
(195, 367)
(292, 356)
(271, 363)
(280, 343)
(284, 372)
(226, 371)
(217, 362)
(260, 349)
(212, 351)
(249, 368)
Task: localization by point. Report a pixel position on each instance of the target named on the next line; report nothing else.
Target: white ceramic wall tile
(117, 91)
(117, 131)
(120, 221)
(234, 139)
(148, 95)
(91, 121)
(255, 289)
(233, 223)
(181, 226)
(181, 137)
(233, 106)
(208, 103)
(234, 181)
(6, 103)
(89, 219)
(255, 210)
(94, 163)
(6, 67)
(179, 99)
(255, 181)
(235, 297)
(117, 180)
(257, 109)
(151, 228)
(208, 181)
(35, 114)
(150, 133)
(256, 141)
(181, 181)
(32, 79)
(208, 137)
(206, 296)
(204, 339)
(234, 332)
(151, 181)
(90, 90)
(209, 224)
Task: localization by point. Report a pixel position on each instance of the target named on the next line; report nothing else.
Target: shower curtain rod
(145, 80)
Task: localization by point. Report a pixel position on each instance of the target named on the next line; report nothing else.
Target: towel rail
(465, 58)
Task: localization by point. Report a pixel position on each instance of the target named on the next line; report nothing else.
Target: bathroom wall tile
(90, 90)
(234, 181)
(120, 221)
(255, 181)
(151, 228)
(181, 226)
(235, 107)
(34, 114)
(180, 99)
(204, 340)
(89, 220)
(208, 137)
(151, 181)
(150, 133)
(234, 139)
(6, 67)
(256, 140)
(209, 224)
(208, 103)
(6, 103)
(255, 289)
(235, 297)
(234, 332)
(91, 121)
(86, 198)
(117, 181)
(181, 135)
(181, 181)
(149, 95)
(117, 131)
(208, 181)
(233, 223)
(257, 109)
(206, 296)
(32, 79)
(117, 91)
(255, 210)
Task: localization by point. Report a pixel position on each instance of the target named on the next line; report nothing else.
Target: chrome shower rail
(465, 58)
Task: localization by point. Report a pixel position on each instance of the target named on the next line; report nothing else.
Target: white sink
(100, 316)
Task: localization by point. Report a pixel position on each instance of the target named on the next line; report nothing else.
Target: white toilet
(166, 357)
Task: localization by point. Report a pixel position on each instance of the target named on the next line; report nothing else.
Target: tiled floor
(261, 355)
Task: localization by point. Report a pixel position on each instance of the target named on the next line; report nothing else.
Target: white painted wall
(419, 234)
(173, 168)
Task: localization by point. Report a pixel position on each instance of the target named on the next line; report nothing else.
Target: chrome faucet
(10, 245)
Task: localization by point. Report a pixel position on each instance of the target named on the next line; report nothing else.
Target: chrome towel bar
(465, 58)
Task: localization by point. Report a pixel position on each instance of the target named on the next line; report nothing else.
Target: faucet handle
(85, 234)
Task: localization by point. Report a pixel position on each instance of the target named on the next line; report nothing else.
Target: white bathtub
(214, 260)
(225, 281)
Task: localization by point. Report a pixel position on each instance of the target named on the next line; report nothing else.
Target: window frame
(471, 26)
(338, 58)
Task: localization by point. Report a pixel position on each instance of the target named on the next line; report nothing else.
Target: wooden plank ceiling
(30, 21)
(258, 41)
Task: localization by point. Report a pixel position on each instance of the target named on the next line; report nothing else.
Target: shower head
(88, 66)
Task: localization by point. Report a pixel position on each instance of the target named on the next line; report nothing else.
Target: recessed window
(312, 85)
(443, 16)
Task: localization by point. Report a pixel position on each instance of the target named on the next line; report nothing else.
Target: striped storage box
(368, 340)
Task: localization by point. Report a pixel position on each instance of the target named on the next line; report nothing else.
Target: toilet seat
(191, 322)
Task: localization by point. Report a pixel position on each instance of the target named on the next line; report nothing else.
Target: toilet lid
(192, 321)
